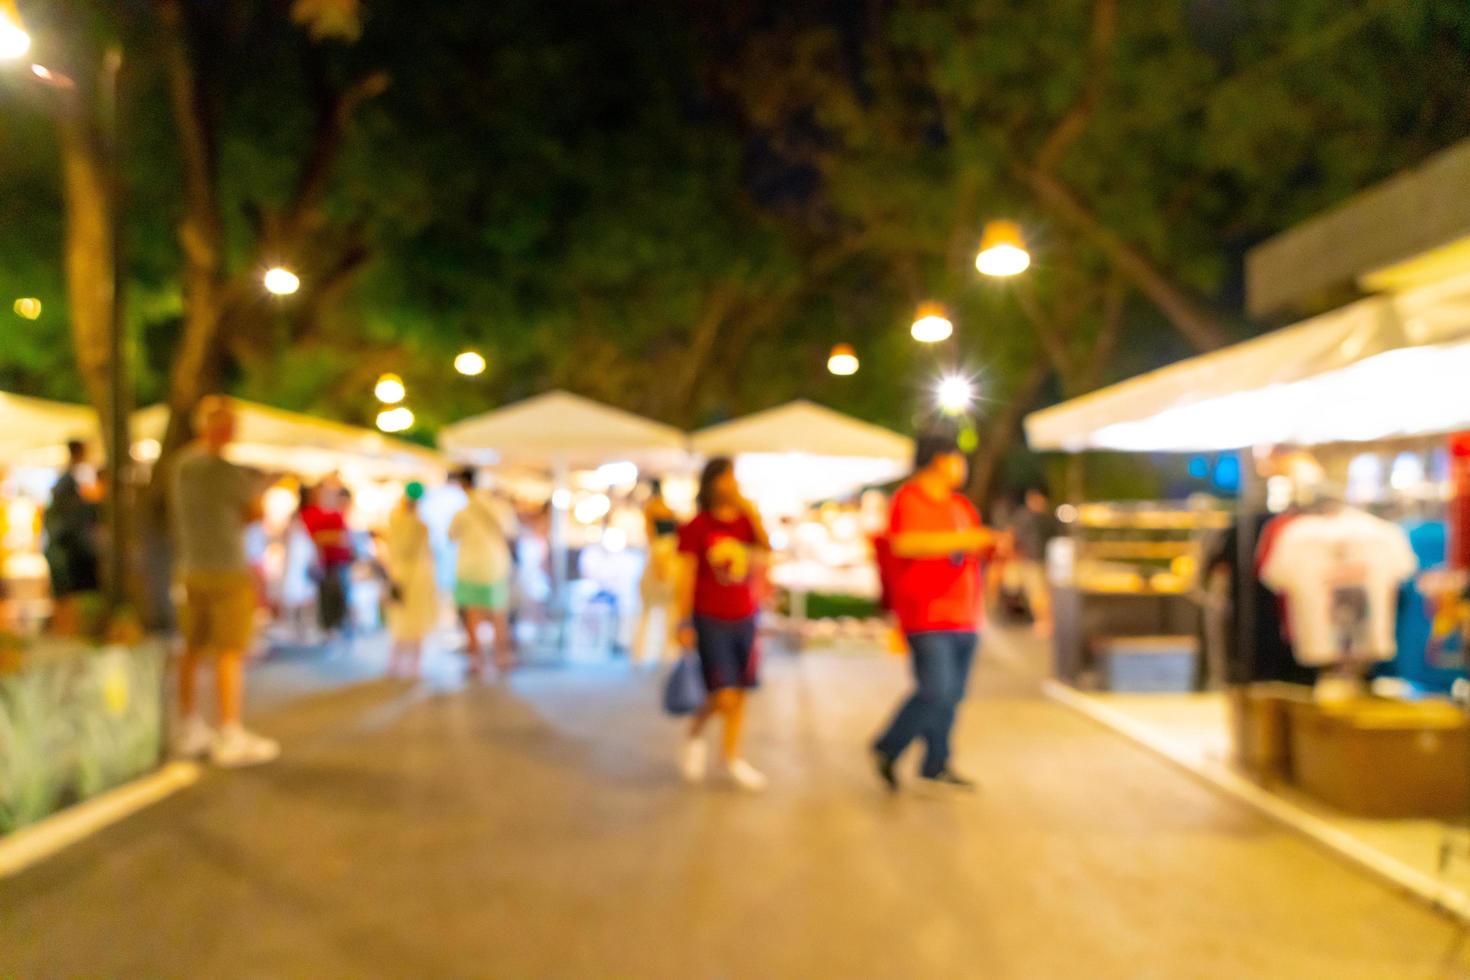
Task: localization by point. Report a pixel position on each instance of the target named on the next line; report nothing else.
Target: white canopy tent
(802, 452)
(35, 431)
(275, 439)
(1383, 367)
(563, 430)
(556, 433)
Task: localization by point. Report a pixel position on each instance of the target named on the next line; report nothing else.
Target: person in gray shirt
(213, 501)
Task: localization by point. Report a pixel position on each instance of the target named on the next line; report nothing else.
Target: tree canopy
(680, 207)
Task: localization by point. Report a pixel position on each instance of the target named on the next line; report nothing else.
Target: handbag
(684, 691)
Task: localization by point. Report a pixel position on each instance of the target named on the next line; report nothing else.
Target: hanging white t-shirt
(483, 532)
(1341, 574)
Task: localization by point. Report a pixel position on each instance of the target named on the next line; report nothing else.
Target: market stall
(577, 461)
(1348, 548)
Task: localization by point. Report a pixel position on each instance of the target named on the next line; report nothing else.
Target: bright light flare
(389, 389)
(843, 361)
(28, 307)
(615, 539)
(470, 363)
(398, 419)
(14, 41)
(954, 394)
(1002, 251)
(281, 281)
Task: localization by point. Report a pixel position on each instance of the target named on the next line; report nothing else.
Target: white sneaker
(694, 760)
(193, 738)
(746, 776)
(235, 747)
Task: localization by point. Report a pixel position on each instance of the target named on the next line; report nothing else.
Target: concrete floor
(537, 829)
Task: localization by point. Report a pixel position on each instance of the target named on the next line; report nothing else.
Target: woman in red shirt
(718, 600)
(936, 541)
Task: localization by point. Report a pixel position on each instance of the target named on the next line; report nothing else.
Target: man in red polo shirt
(936, 542)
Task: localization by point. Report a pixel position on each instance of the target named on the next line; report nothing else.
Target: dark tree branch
(1099, 68)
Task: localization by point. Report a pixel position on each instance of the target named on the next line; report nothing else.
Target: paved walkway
(537, 830)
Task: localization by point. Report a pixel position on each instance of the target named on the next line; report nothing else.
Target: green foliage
(587, 193)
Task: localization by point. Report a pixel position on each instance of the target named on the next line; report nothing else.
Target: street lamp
(954, 394)
(390, 389)
(1002, 250)
(843, 360)
(281, 281)
(14, 41)
(470, 363)
(398, 419)
(931, 324)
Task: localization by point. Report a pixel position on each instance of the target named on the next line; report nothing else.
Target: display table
(1083, 617)
(75, 721)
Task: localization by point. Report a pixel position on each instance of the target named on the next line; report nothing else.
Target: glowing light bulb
(843, 360)
(398, 419)
(470, 363)
(932, 324)
(1002, 250)
(389, 389)
(281, 281)
(14, 41)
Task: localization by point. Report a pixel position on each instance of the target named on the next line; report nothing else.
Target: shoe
(694, 760)
(193, 738)
(953, 780)
(746, 776)
(886, 771)
(235, 748)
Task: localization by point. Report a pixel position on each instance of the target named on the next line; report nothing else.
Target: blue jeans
(942, 664)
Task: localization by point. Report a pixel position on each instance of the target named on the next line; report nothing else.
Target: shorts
(494, 596)
(727, 654)
(218, 612)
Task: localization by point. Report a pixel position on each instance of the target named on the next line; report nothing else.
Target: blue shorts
(727, 654)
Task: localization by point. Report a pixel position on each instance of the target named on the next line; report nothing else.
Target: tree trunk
(88, 250)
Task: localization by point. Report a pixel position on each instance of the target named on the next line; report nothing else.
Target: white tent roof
(560, 427)
(1383, 367)
(803, 427)
(35, 431)
(275, 439)
(801, 452)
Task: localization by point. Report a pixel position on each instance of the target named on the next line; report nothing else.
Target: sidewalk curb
(1426, 888)
(32, 844)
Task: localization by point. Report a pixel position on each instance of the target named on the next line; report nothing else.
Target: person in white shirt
(482, 573)
(1340, 571)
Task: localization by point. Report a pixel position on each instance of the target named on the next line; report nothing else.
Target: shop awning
(802, 452)
(275, 439)
(1383, 367)
(563, 429)
(35, 431)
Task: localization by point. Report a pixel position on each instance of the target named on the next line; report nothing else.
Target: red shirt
(933, 594)
(331, 524)
(724, 585)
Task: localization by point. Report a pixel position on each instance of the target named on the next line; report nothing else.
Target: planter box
(75, 721)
